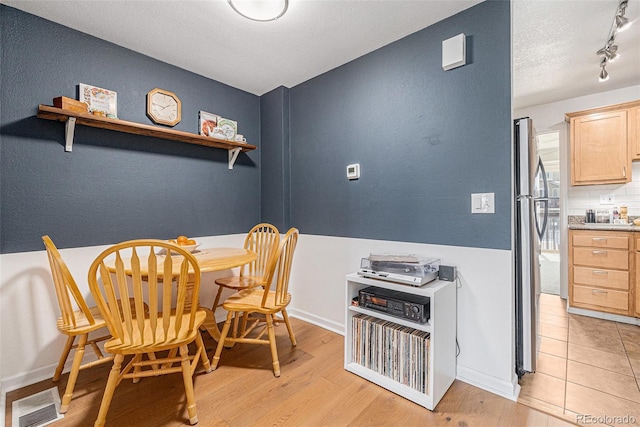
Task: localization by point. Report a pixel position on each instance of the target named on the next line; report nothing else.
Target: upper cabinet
(634, 119)
(603, 143)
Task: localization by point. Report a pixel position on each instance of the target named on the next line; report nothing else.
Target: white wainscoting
(31, 344)
(485, 299)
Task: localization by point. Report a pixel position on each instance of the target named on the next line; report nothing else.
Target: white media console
(434, 363)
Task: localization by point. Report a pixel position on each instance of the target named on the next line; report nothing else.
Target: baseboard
(332, 326)
(32, 377)
(506, 389)
(605, 316)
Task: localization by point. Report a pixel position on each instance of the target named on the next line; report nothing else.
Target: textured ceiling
(555, 44)
(210, 39)
(554, 41)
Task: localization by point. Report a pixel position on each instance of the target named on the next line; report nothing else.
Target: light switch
(483, 203)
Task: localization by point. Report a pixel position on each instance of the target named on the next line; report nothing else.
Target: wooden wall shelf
(71, 118)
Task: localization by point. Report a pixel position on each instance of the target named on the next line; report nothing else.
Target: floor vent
(37, 410)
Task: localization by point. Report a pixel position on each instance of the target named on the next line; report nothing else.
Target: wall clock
(164, 107)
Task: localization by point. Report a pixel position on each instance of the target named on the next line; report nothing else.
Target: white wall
(28, 307)
(485, 299)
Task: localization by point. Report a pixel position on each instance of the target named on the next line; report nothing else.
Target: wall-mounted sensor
(353, 171)
(454, 52)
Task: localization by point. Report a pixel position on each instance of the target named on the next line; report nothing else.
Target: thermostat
(353, 171)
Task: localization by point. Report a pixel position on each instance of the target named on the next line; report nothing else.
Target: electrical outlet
(607, 199)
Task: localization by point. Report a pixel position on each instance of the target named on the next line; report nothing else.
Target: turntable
(406, 269)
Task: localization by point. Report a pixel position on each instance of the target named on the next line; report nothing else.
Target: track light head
(604, 76)
(610, 52)
(622, 23)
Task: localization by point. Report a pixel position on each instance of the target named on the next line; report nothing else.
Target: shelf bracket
(69, 130)
(233, 155)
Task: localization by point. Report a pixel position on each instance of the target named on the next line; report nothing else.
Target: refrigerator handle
(544, 199)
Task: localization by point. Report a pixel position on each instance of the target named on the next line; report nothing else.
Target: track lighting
(609, 52)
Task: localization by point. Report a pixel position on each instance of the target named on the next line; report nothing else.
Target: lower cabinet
(637, 268)
(414, 360)
(601, 272)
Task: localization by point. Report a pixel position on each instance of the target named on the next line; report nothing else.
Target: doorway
(549, 151)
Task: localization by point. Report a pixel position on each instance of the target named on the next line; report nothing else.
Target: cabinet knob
(624, 171)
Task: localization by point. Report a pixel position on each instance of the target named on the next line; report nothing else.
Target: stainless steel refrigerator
(531, 212)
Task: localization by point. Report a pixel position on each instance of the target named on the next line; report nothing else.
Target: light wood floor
(314, 390)
(585, 366)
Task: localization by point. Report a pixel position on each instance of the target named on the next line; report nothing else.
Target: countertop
(604, 227)
(576, 222)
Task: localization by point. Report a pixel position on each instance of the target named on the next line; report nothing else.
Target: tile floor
(586, 366)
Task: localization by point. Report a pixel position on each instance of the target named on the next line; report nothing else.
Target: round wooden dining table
(210, 260)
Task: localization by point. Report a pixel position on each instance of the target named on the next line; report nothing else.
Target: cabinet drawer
(603, 298)
(603, 258)
(601, 278)
(597, 241)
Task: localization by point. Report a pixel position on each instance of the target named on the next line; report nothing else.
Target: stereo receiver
(395, 303)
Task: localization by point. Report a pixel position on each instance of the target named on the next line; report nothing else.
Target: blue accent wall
(274, 152)
(113, 186)
(425, 139)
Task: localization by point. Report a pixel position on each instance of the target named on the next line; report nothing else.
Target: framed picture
(208, 124)
(229, 128)
(100, 100)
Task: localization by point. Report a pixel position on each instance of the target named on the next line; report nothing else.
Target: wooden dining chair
(74, 322)
(263, 239)
(171, 283)
(267, 301)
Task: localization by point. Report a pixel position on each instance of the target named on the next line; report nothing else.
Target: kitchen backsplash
(584, 197)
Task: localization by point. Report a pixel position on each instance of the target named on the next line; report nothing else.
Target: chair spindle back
(280, 267)
(136, 272)
(66, 287)
(263, 239)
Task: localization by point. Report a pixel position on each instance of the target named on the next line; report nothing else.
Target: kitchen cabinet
(603, 141)
(634, 120)
(637, 268)
(364, 353)
(601, 271)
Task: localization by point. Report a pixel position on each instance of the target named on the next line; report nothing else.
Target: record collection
(397, 352)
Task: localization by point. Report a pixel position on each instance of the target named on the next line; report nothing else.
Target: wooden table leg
(209, 321)
(210, 324)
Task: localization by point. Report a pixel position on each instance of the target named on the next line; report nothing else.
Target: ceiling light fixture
(260, 10)
(609, 52)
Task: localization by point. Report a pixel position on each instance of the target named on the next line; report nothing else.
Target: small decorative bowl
(636, 221)
(188, 248)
